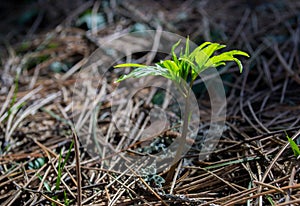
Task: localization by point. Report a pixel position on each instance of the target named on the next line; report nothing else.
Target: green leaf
(220, 59)
(199, 48)
(171, 66)
(187, 46)
(36, 164)
(293, 145)
(130, 65)
(173, 51)
(59, 171)
(188, 64)
(68, 154)
(237, 52)
(203, 55)
(271, 201)
(46, 184)
(187, 60)
(147, 71)
(179, 68)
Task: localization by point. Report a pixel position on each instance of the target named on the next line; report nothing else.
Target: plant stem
(182, 139)
(78, 167)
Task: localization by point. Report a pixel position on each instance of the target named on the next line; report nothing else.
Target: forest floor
(57, 86)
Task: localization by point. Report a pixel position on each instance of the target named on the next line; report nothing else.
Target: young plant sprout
(181, 70)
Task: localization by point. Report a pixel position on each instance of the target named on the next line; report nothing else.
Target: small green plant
(46, 184)
(271, 201)
(182, 70)
(36, 164)
(294, 146)
(66, 199)
(60, 168)
(13, 109)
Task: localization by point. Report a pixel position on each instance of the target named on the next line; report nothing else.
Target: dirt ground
(58, 94)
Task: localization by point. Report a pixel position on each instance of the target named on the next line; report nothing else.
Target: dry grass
(252, 163)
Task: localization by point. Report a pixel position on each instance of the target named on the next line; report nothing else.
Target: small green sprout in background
(271, 201)
(182, 70)
(60, 168)
(36, 164)
(294, 146)
(91, 20)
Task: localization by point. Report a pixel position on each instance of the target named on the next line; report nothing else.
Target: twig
(240, 200)
(278, 155)
(151, 190)
(175, 177)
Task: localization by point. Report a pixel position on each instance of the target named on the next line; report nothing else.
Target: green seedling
(12, 108)
(66, 199)
(36, 164)
(294, 146)
(271, 201)
(60, 168)
(184, 69)
(46, 184)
